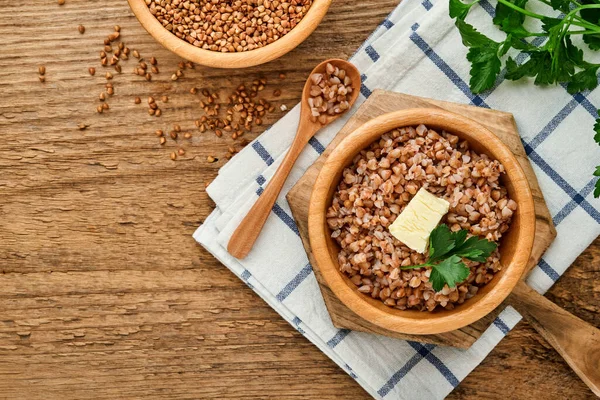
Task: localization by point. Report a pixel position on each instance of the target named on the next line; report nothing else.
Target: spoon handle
(247, 232)
(575, 340)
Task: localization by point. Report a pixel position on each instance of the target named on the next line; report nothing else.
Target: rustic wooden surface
(577, 341)
(103, 292)
(381, 102)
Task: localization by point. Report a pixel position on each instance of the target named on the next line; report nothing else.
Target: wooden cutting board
(380, 102)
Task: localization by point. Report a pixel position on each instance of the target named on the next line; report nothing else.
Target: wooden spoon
(247, 232)
(575, 340)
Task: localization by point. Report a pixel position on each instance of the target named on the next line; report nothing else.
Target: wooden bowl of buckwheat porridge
(235, 34)
(371, 177)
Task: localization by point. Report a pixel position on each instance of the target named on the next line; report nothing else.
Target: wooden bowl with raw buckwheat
(230, 34)
(474, 257)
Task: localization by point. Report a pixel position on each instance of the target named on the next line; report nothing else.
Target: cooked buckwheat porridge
(378, 185)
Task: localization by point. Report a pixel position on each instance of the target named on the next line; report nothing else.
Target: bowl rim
(244, 59)
(434, 323)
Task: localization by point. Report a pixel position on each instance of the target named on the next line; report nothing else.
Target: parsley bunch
(557, 61)
(446, 251)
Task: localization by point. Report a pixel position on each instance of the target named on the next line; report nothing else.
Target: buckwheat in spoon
(331, 89)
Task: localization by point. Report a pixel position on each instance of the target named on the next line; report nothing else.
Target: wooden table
(103, 292)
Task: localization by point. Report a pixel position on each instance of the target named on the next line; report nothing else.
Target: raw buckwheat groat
(329, 93)
(229, 26)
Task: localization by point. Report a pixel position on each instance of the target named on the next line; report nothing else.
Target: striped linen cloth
(416, 50)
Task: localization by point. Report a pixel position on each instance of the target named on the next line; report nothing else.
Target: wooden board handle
(575, 340)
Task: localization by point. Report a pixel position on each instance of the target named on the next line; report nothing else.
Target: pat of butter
(415, 223)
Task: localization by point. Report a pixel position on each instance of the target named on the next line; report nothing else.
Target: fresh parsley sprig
(558, 60)
(446, 252)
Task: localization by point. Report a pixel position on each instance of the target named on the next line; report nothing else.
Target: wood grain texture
(382, 102)
(577, 341)
(104, 294)
(245, 235)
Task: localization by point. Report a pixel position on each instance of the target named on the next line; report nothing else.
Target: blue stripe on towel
(350, 371)
(372, 53)
(365, 91)
(262, 152)
(425, 352)
(575, 201)
(561, 182)
(319, 148)
(485, 4)
(338, 337)
(444, 370)
(387, 23)
(501, 325)
(245, 275)
(398, 375)
(297, 321)
(294, 283)
(544, 266)
(447, 70)
(283, 216)
(553, 124)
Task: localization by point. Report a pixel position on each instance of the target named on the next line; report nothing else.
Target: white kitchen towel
(416, 50)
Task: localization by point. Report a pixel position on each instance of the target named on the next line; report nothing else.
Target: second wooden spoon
(247, 232)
